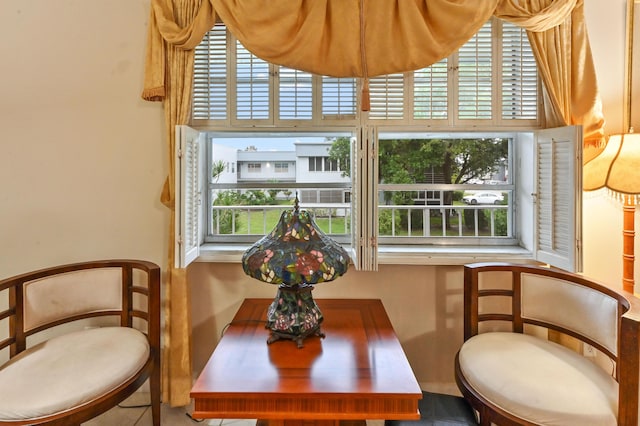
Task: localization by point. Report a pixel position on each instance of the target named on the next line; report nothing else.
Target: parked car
(483, 198)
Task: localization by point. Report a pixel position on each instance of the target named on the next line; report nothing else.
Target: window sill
(399, 255)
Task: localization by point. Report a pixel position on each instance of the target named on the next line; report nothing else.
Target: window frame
(510, 186)
(364, 239)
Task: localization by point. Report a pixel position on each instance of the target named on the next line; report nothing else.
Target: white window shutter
(338, 98)
(387, 97)
(431, 92)
(365, 186)
(210, 77)
(559, 197)
(475, 76)
(295, 94)
(188, 186)
(253, 86)
(519, 75)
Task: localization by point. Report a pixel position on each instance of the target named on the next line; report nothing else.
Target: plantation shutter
(295, 90)
(559, 197)
(475, 76)
(519, 75)
(210, 76)
(387, 97)
(253, 86)
(338, 98)
(430, 92)
(189, 181)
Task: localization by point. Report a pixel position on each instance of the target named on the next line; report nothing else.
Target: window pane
(450, 161)
(425, 188)
(271, 171)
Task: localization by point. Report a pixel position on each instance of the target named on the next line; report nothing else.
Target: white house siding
(304, 150)
(267, 161)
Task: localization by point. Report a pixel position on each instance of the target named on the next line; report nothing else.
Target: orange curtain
(558, 37)
(360, 38)
(173, 32)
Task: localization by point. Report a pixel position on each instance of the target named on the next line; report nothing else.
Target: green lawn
(261, 223)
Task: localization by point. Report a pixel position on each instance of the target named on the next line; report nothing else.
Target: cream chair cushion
(540, 381)
(581, 309)
(67, 371)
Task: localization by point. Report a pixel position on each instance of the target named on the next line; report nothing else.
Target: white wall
(84, 161)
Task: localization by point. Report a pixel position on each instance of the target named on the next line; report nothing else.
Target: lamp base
(294, 315)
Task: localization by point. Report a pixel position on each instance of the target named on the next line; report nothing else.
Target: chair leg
(484, 417)
(154, 384)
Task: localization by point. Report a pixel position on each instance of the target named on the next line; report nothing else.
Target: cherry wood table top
(358, 371)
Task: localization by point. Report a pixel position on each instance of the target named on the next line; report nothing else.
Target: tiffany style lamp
(296, 255)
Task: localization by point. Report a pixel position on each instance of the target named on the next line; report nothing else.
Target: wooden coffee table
(358, 371)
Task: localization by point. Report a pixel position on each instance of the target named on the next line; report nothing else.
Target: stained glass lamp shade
(296, 255)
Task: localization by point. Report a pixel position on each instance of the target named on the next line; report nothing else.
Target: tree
(414, 161)
(341, 151)
(217, 169)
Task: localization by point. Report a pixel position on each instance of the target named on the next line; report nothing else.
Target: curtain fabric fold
(360, 38)
(350, 38)
(164, 31)
(560, 43)
(175, 28)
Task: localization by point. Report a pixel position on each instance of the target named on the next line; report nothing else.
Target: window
(437, 189)
(281, 167)
(323, 164)
(315, 164)
(401, 178)
(245, 206)
(330, 165)
(254, 167)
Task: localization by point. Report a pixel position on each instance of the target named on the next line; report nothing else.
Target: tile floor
(134, 412)
(140, 415)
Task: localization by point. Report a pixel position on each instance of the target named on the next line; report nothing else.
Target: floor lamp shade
(617, 169)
